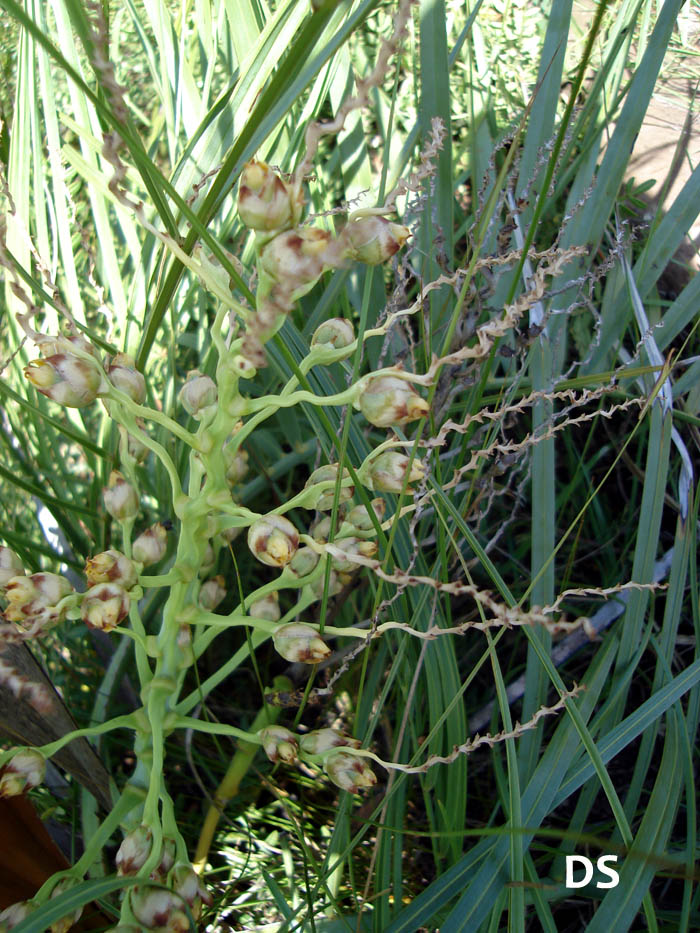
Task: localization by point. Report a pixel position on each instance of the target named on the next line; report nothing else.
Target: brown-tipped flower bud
(124, 375)
(151, 545)
(212, 593)
(137, 449)
(360, 518)
(322, 740)
(66, 379)
(198, 393)
(335, 334)
(349, 772)
(111, 567)
(120, 498)
(156, 907)
(39, 594)
(279, 744)
(188, 885)
(352, 546)
(266, 608)
(67, 923)
(104, 606)
(304, 561)
(10, 566)
(25, 770)
(374, 239)
(321, 529)
(273, 540)
(388, 400)
(387, 472)
(323, 500)
(264, 200)
(134, 851)
(13, 915)
(299, 642)
(296, 257)
(236, 465)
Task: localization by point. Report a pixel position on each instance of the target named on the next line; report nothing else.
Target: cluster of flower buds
(25, 770)
(123, 375)
(279, 744)
(36, 598)
(151, 545)
(167, 910)
(273, 540)
(297, 642)
(389, 471)
(265, 201)
(388, 400)
(197, 394)
(120, 498)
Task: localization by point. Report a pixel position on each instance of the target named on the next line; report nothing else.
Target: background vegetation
(588, 490)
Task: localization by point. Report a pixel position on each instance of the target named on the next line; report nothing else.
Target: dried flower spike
(279, 744)
(120, 498)
(388, 400)
(273, 540)
(25, 770)
(298, 642)
(66, 379)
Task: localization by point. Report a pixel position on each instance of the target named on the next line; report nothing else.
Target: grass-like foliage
(347, 486)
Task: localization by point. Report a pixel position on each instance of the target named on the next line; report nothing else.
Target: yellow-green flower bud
(265, 202)
(279, 744)
(323, 500)
(236, 465)
(198, 393)
(151, 545)
(388, 400)
(352, 546)
(10, 566)
(104, 606)
(334, 334)
(111, 567)
(360, 518)
(297, 256)
(322, 740)
(273, 540)
(25, 770)
(349, 772)
(212, 593)
(266, 608)
(134, 851)
(66, 379)
(297, 642)
(373, 239)
(124, 376)
(304, 561)
(387, 472)
(36, 595)
(120, 498)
